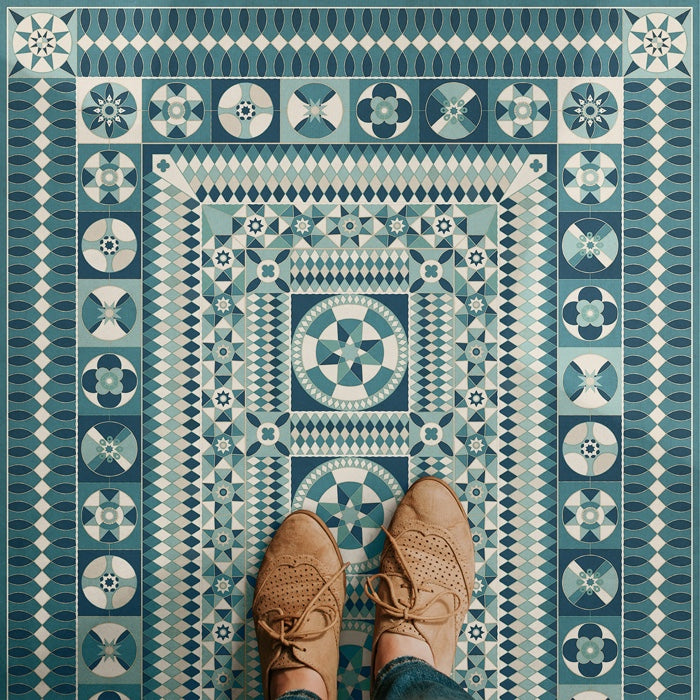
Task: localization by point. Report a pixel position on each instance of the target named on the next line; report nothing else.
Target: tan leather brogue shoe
(426, 575)
(299, 599)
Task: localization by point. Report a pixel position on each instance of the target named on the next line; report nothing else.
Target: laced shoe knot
(411, 612)
(290, 634)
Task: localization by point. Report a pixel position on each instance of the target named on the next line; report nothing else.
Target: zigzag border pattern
(528, 433)
(657, 430)
(41, 388)
(333, 42)
(172, 527)
(206, 169)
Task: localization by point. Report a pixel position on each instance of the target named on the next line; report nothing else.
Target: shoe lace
(291, 634)
(411, 612)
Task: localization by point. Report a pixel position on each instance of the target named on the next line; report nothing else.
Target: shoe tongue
(315, 622)
(286, 660)
(304, 655)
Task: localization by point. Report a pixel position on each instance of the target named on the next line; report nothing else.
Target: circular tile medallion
(590, 381)
(109, 650)
(523, 110)
(315, 110)
(349, 352)
(109, 313)
(590, 177)
(109, 110)
(453, 110)
(176, 110)
(109, 449)
(355, 497)
(590, 515)
(109, 582)
(590, 245)
(246, 110)
(590, 650)
(384, 110)
(590, 582)
(109, 245)
(590, 110)
(109, 515)
(590, 313)
(109, 177)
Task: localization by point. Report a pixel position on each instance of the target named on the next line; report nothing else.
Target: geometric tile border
(515, 169)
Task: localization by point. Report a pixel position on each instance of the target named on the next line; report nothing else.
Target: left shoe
(299, 599)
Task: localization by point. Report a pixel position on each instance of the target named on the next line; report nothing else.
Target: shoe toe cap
(432, 501)
(303, 534)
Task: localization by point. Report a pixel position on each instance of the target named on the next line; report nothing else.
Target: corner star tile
(656, 44)
(42, 44)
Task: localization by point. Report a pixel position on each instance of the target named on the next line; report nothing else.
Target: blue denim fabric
(299, 695)
(408, 678)
(405, 678)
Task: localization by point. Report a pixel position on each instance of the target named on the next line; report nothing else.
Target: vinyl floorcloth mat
(261, 259)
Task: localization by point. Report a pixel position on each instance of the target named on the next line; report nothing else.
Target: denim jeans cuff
(394, 663)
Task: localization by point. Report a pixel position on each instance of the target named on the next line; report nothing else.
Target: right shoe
(426, 574)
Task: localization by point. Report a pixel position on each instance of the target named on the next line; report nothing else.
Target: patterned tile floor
(262, 259)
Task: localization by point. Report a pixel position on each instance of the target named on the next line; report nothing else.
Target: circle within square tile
(109, 380)
(590, 515)
(590, 313)
(590, 177)
(384, 110)
(590, 650)
(590, 582)
(109, 650)
(109, 313)
(590, 448)
(176, 110)
(590, 245)
(523, 110)
(590, 110)
(590, 381)
(315, 110)
(109, 582)
(109, 110)
(245, 110)
(109, 245)
(109, 177)
(453, 110)
(109, 449)
(349, 352)
(109, 515)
